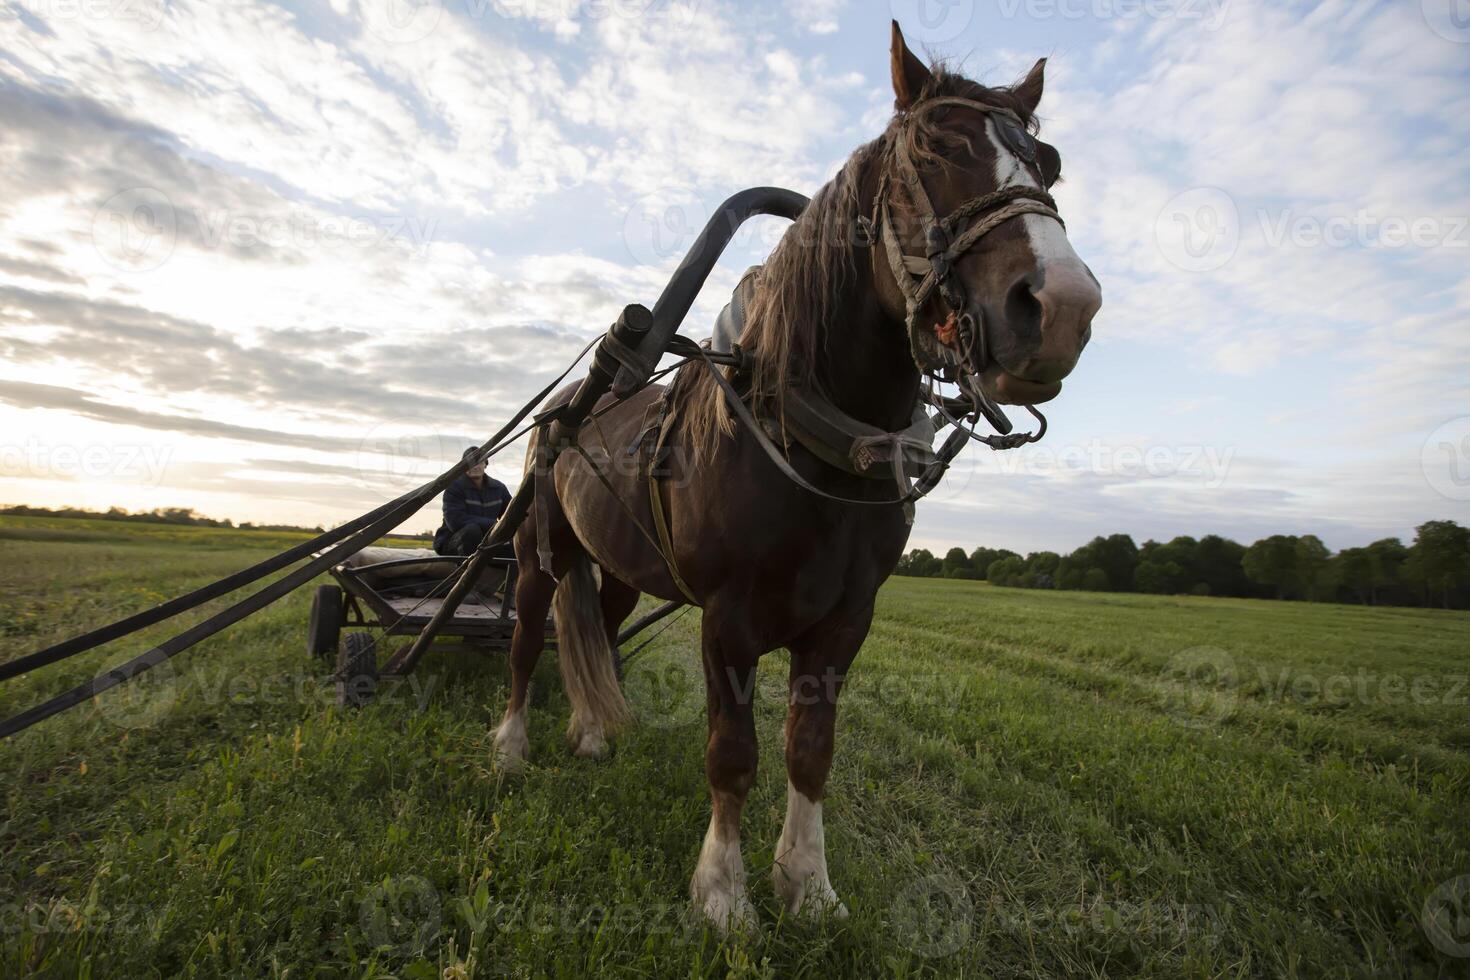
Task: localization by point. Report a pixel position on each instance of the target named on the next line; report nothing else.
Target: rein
(957, 349)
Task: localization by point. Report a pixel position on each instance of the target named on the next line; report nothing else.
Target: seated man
(472, 505)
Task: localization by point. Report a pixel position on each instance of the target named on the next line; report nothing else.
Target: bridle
(956, 351)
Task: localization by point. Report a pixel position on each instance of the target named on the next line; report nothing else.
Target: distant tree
(982, 558)
(1096, 580)
(1311, 569)
(1217, 565)
(1006, 571)
(1440, 559)
(1166, 569)
(1354, 571)
(919, 563)
(1389, 555)
(1272, 562)
(956, 564)
(1042, 567)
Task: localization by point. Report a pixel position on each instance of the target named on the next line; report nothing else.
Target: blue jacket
(465, 503)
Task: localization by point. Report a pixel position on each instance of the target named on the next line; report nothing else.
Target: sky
(280, 262)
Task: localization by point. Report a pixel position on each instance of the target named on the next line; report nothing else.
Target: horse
(770, 563)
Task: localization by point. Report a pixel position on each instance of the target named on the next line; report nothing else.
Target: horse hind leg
(533, 601)
(585, 655)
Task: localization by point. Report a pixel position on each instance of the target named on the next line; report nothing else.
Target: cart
(395, 592)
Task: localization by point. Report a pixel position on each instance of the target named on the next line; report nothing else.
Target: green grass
(1026, 784)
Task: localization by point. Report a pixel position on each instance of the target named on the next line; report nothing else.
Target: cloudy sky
(278, 262)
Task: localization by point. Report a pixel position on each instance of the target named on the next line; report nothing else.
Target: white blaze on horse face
(1049, 242)
(718, 885)
(800, 869)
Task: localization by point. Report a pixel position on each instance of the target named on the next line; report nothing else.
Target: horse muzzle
(1039, 334)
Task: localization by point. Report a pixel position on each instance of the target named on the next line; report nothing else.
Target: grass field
(1026, 784)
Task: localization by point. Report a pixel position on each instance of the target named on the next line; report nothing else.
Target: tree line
(185, 516)
(1433, 571)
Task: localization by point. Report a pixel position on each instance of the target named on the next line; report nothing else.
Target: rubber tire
(357, 670)
(324, 626)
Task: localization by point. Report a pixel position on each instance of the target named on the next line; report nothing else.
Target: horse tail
(585, 655)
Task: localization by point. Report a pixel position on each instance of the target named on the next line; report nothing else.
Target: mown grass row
(1026, 784)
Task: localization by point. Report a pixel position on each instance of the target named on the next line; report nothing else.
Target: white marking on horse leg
(512, 746)
(718, 885)
(800, 870)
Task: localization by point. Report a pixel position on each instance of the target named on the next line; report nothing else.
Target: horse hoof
(729, 914)
(512, 746)
(591, 745)
(809, 899)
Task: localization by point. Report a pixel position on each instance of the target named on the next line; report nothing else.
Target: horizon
(289, 299)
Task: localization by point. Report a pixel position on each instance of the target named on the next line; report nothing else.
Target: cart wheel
(324, 627)
(357, 670)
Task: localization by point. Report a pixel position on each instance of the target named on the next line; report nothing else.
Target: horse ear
(910, 75)
(1028, 90)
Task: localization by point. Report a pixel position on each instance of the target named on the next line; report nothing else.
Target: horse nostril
(1024, 314)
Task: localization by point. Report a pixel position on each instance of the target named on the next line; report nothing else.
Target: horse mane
(799, 292)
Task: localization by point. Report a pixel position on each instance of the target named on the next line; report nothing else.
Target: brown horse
(770, 563)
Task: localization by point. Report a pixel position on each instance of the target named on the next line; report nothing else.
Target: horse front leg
(819, 663)
(718, 885)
